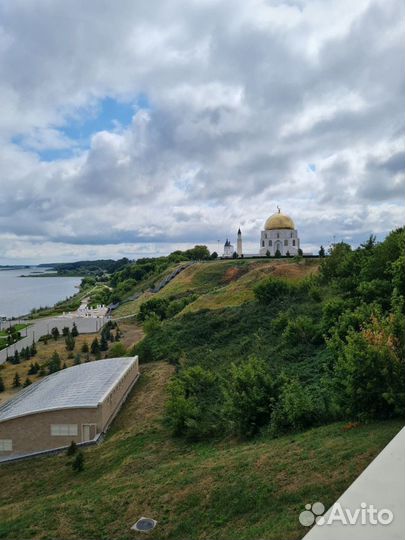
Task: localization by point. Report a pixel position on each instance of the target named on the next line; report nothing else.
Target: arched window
(286, 242)
(293, 242)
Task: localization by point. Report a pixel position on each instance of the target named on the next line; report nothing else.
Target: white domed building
(279, 234)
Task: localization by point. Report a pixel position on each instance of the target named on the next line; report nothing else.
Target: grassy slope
(223, 490)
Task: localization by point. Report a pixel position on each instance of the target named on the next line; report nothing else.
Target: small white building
(279, 234)
(228, 249)
(85, 311)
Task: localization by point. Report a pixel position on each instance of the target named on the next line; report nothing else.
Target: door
(86, 432)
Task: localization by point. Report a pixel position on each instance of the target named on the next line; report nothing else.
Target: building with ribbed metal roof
(75, 404)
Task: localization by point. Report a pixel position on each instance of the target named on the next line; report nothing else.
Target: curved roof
(279, 221)
(82, 386)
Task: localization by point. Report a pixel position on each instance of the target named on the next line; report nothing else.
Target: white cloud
(242, 98)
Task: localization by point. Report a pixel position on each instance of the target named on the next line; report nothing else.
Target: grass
(221, 490)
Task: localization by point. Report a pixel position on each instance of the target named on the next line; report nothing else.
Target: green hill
(220, 490)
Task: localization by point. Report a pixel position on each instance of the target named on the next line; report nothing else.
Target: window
(262, 243)
(286, 242)
(270, 242)
(6, 445)
(64, 429)
(278, 235)
(293, 242)
(291, 235)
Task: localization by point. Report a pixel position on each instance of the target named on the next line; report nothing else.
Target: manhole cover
(144, 524)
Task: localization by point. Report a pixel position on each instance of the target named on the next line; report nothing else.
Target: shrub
(78, 462)
(117, 350)
(250, 396)
(72, 449)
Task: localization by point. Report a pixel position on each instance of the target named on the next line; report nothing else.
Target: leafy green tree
(2, 387)
(85, 347)
(103, 343)
(65, 331)
(214, 255)
(27, 382)
(322, 251)
(16, 381)
(16, 358)
(267, 253)
(33, 349)
(55, 333)
(370, 371)
(77, 360)
(234, 255)
(277, 254)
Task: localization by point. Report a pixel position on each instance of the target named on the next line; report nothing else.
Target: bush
(271, 289)
(194, 409)
(72, 449)
(117, 350)
(78, 462)
(250, 396)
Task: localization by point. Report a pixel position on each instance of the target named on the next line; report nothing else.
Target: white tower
(239, 244)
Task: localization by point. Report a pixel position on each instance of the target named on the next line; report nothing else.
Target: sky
(137, 128)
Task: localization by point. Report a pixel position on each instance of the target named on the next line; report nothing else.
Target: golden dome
(278, 221)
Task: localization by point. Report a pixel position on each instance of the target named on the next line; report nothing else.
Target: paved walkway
(41, 327)
(381, 484)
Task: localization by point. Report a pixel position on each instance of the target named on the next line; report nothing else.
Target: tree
(16, 358)
(55, 333)
(214, 255)
(75, 331)
(78, 462)
(16, 381)
(70, 342)
(33, 349)
(288, 254)
(2, 387)
(267, 253)
(103, 343)
(32, 369)
(85, 347)
(72, 449)
(277, 253)
(65, 331)
(27, 382)
(77, 360)
(322, 251)
(54, 364)
(95, 346)
(300, 252)
(234, 255)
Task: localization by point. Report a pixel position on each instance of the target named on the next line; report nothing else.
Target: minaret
(239, 244)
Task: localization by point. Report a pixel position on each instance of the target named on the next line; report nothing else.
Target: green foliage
(16, 381)
(95, 346)
(271, 289)
(74, 331)
(250, 394)
(78, 462)
(72, 449)
(2, 387)
(85, 347)
(117, 350)
(55, 333)
(194, 408)
(54, 363)
(69, 342)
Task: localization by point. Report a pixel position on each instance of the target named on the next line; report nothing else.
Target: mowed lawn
(239, 490)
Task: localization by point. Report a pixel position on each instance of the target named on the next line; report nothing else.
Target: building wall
(112, 403)
(283, 239)
(32, 433)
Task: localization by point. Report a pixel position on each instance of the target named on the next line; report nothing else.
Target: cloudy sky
(139, 127)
